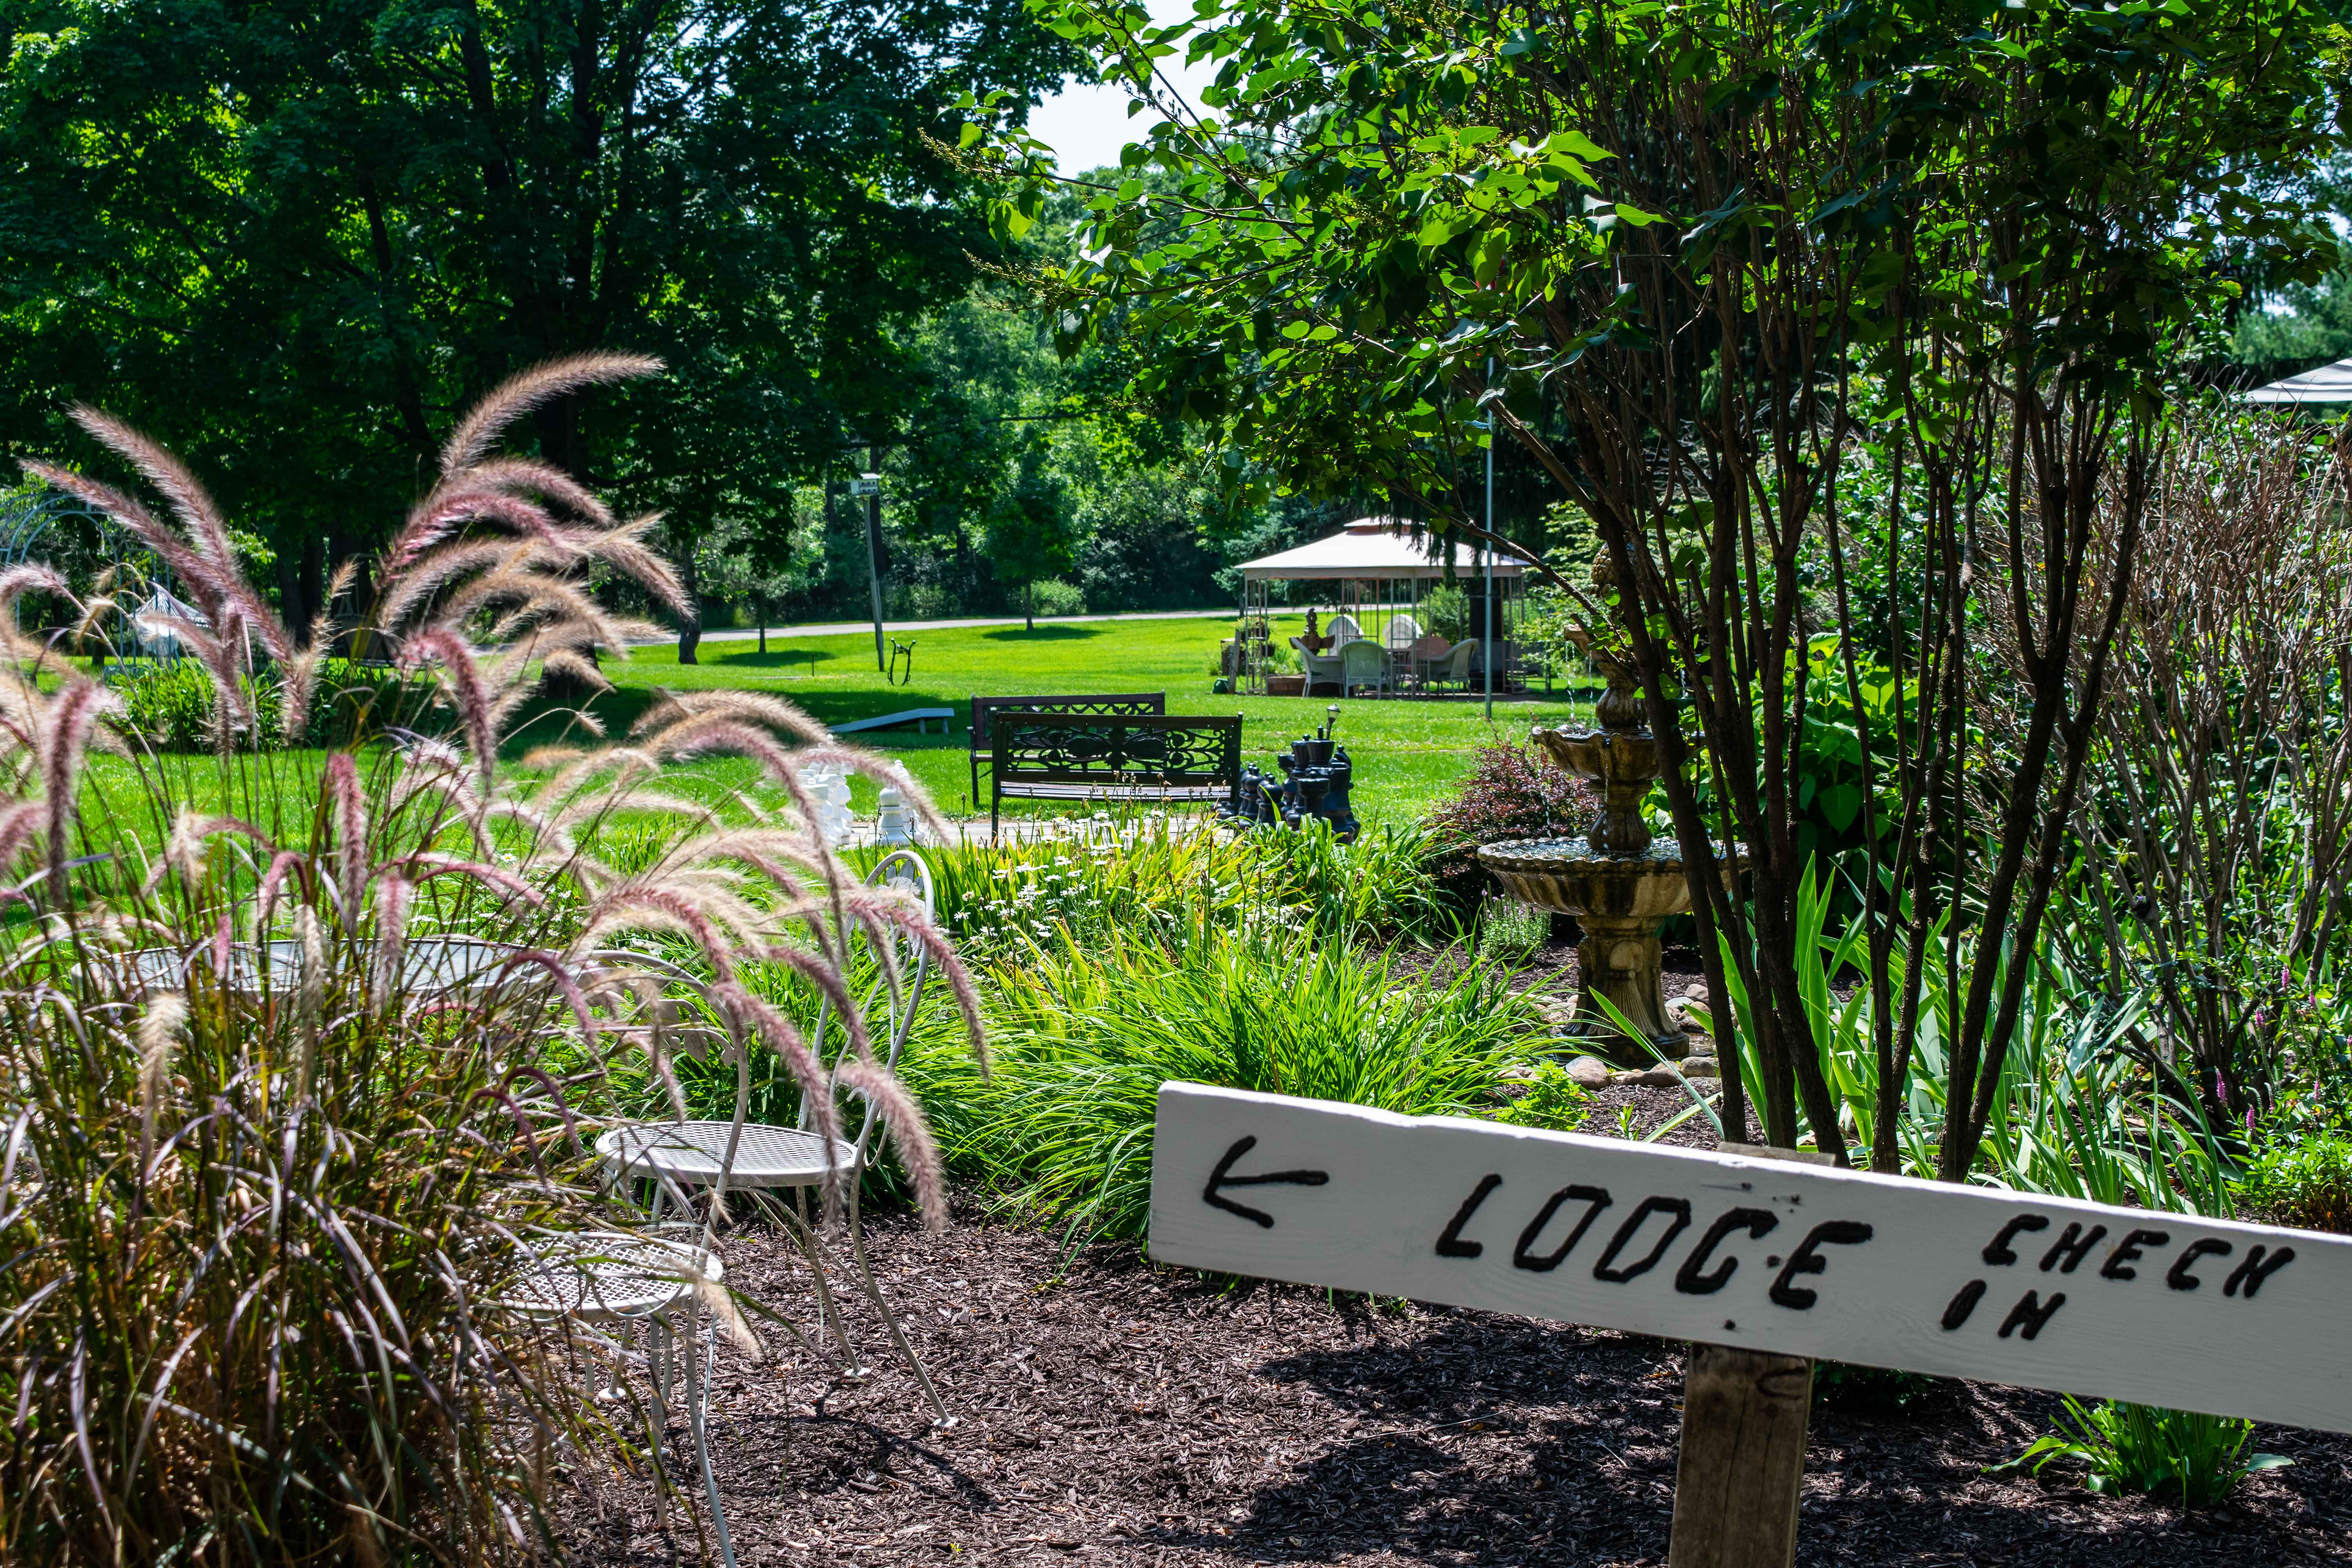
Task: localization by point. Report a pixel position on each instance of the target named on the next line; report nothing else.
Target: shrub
(1052, 597)
(1446, 611)
(1513, 792)
(2198, 1459)
(1084, 1036)
(2304, 1181)
(170, 707)
(1165, 877)
(1511, 932)
(1551, 1100)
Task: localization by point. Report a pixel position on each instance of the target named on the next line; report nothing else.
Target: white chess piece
(830, 785)
(891, 823)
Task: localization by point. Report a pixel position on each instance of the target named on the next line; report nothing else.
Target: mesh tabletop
(430, 965)
(610, 1276)
(691, 1152)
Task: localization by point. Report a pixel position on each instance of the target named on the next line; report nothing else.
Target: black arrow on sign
(1218, 1181)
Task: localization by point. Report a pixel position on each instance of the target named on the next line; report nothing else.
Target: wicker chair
(1363, 663)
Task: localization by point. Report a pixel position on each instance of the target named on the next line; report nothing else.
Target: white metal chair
(1403, 632)
(679, 1156)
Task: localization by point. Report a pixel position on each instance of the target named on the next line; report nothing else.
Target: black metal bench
(1103, 757)
(1131, 703)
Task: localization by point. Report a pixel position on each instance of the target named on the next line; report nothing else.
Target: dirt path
(1130, 1414)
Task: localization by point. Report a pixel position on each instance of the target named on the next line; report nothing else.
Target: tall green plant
(2081, 1109)
(1084, 1034)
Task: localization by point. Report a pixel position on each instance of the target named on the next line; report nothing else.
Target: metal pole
(874, 553)
(1489, 617)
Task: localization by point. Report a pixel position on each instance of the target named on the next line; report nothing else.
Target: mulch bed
(1122, 1412)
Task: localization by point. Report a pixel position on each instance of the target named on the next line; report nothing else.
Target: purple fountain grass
(358, 1363)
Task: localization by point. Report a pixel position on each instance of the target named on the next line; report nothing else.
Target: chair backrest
(1458, 663)
(1403, 632)
(1432, 647)
(1343, 629)
(900, 998)
(1363, 658)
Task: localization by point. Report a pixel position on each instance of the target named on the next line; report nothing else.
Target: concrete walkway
(854, 629)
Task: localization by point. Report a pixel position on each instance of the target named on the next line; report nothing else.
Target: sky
(1087, 126)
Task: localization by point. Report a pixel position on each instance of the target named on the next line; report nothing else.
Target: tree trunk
(689, 636)
(1029, 606)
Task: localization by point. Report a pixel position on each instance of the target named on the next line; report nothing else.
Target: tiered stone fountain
(1616, 881)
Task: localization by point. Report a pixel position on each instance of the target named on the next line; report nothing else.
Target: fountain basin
(1605, 754)
(1618, 900)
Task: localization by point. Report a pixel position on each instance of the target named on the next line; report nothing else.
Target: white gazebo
(2330, 384)
(1382, 579)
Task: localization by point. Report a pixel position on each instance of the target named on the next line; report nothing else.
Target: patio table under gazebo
(1382, 578)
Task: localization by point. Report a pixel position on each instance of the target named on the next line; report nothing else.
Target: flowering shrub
(1513, 791)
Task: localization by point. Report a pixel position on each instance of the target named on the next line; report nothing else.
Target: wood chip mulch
(1121, 1412)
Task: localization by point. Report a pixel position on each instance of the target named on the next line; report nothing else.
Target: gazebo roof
(1371, 549)
(2328, 383)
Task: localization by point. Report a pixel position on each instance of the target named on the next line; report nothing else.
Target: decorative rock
(1588, 1072)
(1697, 994)
(1700, 1066)
(1649, 1077)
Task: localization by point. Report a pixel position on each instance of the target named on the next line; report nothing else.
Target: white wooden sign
(2160, 1308)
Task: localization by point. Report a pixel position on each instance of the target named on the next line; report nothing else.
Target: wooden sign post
(1763, 1265)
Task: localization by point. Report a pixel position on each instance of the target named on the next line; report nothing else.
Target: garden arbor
(1383, 579)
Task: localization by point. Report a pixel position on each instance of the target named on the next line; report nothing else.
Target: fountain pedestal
(1618, 884)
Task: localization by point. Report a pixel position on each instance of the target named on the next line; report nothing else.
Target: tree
(1029, 532)
(1708, 249)
(291, 239)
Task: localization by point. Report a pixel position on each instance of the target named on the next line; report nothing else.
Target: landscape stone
(1588, 1072)
(1700, 1066)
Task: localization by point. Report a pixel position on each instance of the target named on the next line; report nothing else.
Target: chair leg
(698, 1417)
(812, 1249)
(898, 1334)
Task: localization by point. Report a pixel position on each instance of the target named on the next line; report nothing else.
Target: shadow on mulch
(1122, 1412)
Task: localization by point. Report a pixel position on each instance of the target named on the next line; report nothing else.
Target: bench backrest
(1087, 748)
(1133, 702)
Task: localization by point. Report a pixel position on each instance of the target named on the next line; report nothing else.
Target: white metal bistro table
(679, 1155)
(623, 1280)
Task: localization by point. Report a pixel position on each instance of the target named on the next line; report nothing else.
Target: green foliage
(1166, 879)
(2078, 1111)
(171, 705)
(315, 233)
(1869, 1388)
(1447, 612)
(1551, 1100)
(1085, 1032)
(2197, 1461)
(2305, 1181)
(1509, 930)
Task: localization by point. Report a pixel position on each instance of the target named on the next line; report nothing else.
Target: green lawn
(1408, 752)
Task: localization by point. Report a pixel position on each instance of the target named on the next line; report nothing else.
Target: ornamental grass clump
(1062, 1128)
(301, 1057)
